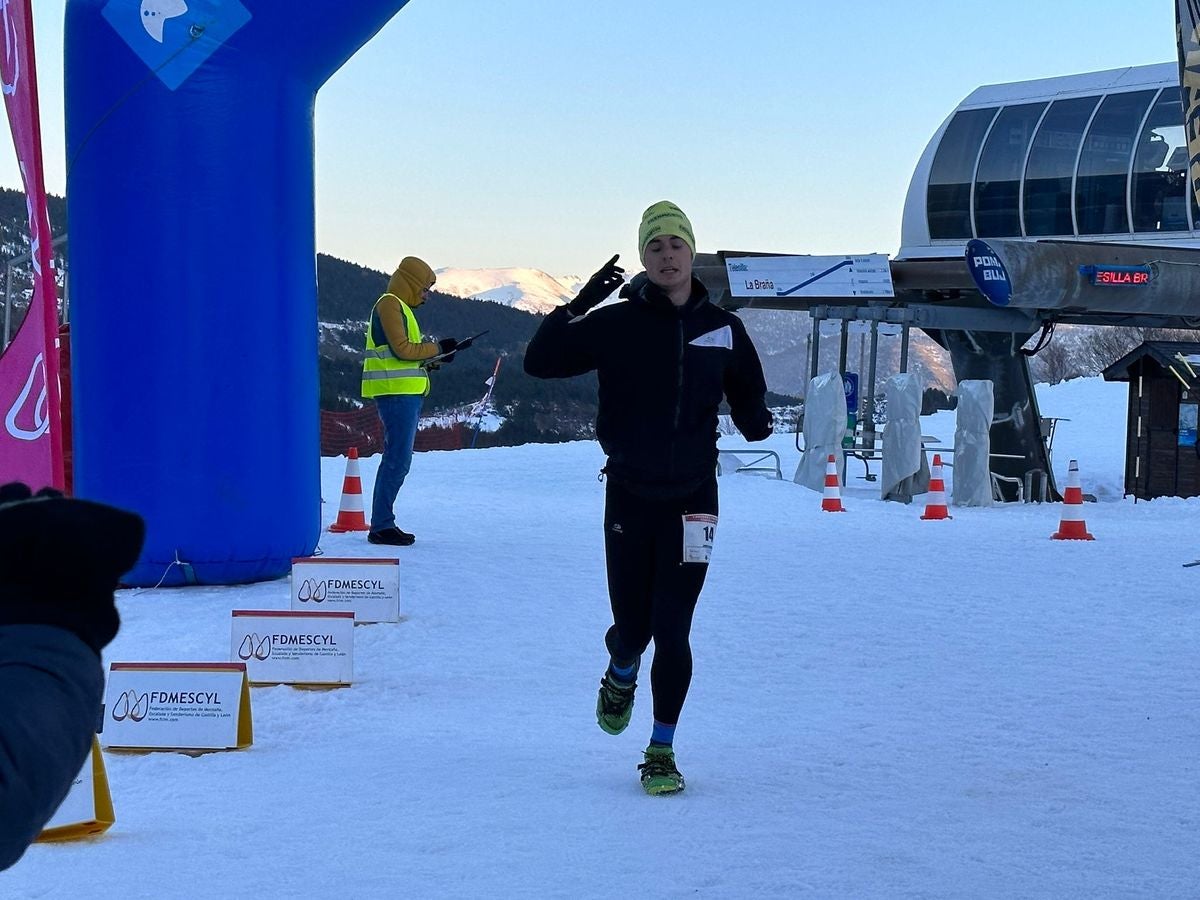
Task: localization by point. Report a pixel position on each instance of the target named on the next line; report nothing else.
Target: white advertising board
(810, 276)
(294, 646)
(177, 706)
(368, 587)
(87, 809)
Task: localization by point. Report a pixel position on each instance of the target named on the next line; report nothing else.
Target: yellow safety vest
(384, 373)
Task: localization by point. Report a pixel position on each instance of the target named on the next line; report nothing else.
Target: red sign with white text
(1109, 276)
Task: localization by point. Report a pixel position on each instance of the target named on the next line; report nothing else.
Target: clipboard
(439, 357)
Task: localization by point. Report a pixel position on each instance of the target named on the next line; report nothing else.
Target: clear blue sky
(533, 133)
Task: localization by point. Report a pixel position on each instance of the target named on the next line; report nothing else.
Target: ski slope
(882, 707)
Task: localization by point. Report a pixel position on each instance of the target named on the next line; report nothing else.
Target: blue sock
(663, 734)
(621, 673)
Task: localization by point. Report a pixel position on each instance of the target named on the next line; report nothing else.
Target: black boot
(392, 536)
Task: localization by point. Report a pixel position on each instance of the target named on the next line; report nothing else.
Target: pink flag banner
(31, 439)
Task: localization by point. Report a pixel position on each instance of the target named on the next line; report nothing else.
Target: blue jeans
(399, 413)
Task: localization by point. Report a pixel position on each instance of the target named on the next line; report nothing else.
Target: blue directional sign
(989, 273)
(175, 37)
(810, 276)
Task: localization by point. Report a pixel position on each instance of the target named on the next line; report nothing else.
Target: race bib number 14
(699, 529)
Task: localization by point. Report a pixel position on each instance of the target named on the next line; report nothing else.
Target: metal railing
(23, 260)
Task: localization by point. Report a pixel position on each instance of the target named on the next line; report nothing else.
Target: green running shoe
(659, 775)
(614, 705)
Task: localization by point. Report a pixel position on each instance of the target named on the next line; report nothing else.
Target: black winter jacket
(50, 694)
(662, 371)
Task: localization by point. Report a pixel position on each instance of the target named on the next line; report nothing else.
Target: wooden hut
(1161, 454)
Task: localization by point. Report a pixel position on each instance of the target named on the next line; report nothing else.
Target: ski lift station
(1060, 200)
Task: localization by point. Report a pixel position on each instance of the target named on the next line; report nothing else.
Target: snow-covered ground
(882, 707)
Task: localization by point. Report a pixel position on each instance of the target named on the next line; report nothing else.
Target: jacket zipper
(678, 400)
(679, 380)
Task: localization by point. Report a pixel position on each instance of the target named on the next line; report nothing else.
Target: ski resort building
(1072, 193)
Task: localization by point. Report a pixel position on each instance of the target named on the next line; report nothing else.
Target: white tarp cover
(973, 444)
(904, 471)
(824, 428)
(728, 463)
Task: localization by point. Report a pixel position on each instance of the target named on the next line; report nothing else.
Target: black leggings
(653, 592)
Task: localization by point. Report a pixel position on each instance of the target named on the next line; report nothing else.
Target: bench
(765, 462)
(865, 454)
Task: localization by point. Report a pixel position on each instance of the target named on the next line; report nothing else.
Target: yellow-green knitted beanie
(665, 218)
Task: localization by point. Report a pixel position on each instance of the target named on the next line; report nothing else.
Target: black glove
(598, 287)
(60, 560)
(448, 345)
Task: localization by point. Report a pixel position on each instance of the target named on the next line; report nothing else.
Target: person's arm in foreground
(59, 564)
(746, 388)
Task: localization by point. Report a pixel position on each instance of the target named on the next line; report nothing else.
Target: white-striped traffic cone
(1072, 527)
(350, 515)
(935, 506)
(831, 500)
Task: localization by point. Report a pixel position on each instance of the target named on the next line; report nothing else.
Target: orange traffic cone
(935, 507)
(831, 500)
(1072, 527)
(350, 515)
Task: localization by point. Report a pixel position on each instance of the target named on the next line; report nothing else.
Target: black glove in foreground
(60, 560)
(449, 346)
(598, 287)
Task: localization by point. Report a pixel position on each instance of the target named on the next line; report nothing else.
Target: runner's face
(668, 262)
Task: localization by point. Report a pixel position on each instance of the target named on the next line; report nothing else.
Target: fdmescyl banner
(369, 587)
(294, 647)
(177, 706)
(30, 439)
(88, 808)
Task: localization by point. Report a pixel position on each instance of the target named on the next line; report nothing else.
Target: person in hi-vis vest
(396, 377)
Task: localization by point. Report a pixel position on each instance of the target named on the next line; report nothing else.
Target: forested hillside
(532, 409)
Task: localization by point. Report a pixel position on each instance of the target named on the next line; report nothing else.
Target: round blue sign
(989, 273)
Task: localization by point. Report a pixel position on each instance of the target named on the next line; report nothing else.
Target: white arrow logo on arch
(156, 12)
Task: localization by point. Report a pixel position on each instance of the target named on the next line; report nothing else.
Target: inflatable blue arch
(190, 205)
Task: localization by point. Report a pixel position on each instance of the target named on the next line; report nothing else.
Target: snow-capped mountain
(531, 290)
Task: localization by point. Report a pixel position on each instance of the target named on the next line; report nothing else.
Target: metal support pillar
(816, 347)
(869, 418)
